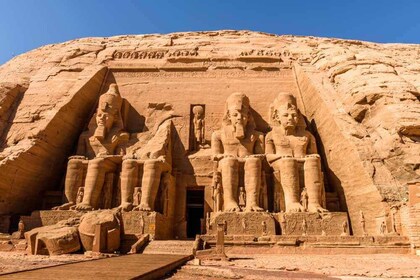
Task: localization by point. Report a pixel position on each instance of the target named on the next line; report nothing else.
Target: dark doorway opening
(195, 212)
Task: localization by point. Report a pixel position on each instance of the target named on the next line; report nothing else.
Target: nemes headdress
(111, 101)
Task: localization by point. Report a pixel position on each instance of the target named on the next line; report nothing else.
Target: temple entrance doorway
(195, 212)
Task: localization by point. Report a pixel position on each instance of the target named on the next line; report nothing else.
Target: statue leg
(230, 180)
(129, 179)
(74, 180)
(95, 178)
(152, 172)
(289, 179)
(252, 183)
(313, 183)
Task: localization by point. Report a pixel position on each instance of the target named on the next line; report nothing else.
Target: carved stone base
(48, 218)
(133, 223)
(239, 223)
(251, 223)
(153, 223)
(331, 223)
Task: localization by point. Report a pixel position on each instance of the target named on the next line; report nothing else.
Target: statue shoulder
(310, 136)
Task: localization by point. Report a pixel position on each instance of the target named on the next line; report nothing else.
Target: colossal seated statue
(98, 154)
(238, 145)
(151, 155)
(287, 147)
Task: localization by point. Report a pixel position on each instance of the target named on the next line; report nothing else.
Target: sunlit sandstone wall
(364, 93)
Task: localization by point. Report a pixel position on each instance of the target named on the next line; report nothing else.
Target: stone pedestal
(133, 222)
(48, 218)
(331, 223)
(243, 223)
(153, 223)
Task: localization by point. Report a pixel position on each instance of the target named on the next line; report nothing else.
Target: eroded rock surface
(360, 100)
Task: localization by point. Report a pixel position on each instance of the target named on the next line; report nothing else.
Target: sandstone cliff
(361, 100)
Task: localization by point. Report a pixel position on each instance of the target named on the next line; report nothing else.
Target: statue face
(199, 115)
(239, 119)
(287, 117)
(238, 116)
(104, 119)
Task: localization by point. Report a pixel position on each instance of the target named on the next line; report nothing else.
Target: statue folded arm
(259, 144)
(311, 149)
(216, 146)
(270, 148)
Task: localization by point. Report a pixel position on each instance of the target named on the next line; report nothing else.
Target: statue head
(198, 111)
(284, 112)
(238, 114)
(108, 113)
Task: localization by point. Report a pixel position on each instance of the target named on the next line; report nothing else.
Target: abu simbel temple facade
(263, 141)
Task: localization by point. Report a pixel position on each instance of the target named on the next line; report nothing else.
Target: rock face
(61, 238)
(360, 100)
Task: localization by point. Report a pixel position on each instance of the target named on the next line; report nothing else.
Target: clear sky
(28, 24)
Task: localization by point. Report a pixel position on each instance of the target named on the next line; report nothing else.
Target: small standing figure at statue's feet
(242, 198)
(20, 233)
(80, 194)
(382, 228)
(264, 228)
(363, 223)
(136, 196)
(344, 226)
(217, 192)
(304, 200)
(21, 229)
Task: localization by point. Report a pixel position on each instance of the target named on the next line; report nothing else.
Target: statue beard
(100, 131)
(239, 130)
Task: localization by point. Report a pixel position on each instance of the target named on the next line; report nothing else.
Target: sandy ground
(381, 266)
(267, 267)
(17, 261)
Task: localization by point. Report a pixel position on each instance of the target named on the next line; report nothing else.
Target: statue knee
(287, 162)
(312, 161)
(287, 159)
(74, 164)
(229, 163)
(96, 163)
(252, 163)
(129, 164)
(152, 165)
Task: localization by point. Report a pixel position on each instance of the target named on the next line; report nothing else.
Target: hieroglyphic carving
(195, 74)
(270, 55)
(154, 54)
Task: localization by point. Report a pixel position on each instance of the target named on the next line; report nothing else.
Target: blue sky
(28, 24)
